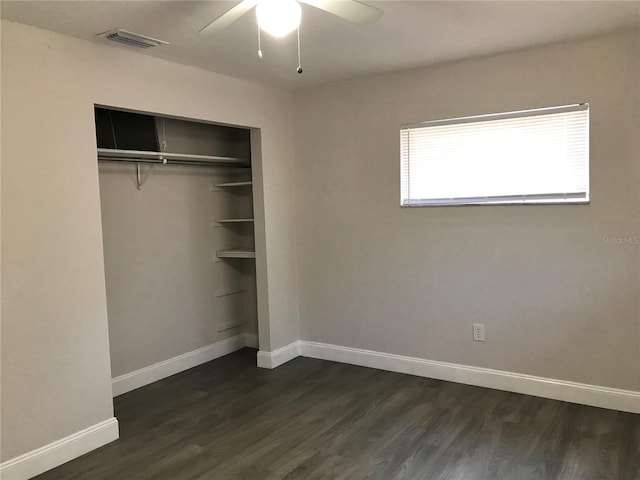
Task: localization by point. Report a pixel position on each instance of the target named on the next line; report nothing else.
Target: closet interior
(179, 247)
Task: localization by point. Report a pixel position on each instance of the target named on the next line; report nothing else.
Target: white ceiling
(409, 34)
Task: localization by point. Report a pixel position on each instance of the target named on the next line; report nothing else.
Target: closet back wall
(163, 286)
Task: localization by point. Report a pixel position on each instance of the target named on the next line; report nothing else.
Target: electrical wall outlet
(478, 332)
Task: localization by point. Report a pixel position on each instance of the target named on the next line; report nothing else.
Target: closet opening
(179, 245)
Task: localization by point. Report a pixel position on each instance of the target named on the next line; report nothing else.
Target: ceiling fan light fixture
(278, 17)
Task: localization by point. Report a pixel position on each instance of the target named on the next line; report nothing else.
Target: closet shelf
(235, 220)
(233, 184)
(236, 253)
(139, 156)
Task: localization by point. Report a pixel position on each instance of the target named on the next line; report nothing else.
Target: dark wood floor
(312, 419)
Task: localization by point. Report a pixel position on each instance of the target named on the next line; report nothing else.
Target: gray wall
(556, 300)
(163, 283)
(56, 377)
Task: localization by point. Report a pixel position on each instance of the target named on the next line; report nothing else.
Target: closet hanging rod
(173, 162)
(136, 156)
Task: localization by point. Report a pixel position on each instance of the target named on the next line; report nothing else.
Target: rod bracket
(140, 178)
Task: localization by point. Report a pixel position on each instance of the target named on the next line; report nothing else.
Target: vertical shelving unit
(240, 252)
(235, 244)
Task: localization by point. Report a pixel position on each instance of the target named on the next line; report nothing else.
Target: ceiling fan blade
(230, 16)
(348, 9)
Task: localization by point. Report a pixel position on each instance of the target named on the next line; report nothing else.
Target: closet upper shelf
(139, 156)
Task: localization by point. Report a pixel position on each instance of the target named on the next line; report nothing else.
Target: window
(531, 156)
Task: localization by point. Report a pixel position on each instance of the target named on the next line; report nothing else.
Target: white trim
(278, 357)
(597, 396)
(251, 340)
(61, 451)
(139, 378)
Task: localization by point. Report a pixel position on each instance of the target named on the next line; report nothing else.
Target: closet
(179, 247)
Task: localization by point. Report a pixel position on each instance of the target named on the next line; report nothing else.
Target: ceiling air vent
(131, 39)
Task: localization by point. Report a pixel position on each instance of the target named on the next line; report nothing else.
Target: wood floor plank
(312, 419)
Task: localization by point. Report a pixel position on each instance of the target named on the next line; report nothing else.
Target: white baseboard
(596, 396)
(278, 357)
(139, 378)
(251, 340)
(61, 451)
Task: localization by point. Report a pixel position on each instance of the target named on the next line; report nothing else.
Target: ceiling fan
(280, 17)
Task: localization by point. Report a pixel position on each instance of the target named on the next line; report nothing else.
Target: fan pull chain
(299, 69)
(259, 47)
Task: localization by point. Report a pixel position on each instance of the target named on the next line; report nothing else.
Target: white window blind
(531, 156)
